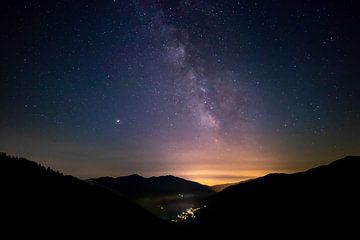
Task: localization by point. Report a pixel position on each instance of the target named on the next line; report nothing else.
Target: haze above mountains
(165, 196)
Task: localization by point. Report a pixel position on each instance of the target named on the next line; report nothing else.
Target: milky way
(212, 97)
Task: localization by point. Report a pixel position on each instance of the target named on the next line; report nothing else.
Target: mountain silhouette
(325, 196)
(322, 201)
(164, 196)
(221, 187)
(40, 199)
(137, 186)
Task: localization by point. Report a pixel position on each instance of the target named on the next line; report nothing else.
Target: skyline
(214, 92)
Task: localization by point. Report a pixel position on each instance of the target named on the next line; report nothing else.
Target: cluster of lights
(187, 214)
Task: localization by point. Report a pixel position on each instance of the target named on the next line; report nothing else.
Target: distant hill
(137, 186)
(165, 196)
(301, 202)
(39, 198)
(220, 187)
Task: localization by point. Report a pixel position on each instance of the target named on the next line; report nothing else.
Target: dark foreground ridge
(323, 199)
(40, 199)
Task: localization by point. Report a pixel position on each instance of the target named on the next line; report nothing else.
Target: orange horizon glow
(211, 178)
(210, 164)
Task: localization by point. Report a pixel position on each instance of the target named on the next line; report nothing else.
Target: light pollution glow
(192, 90)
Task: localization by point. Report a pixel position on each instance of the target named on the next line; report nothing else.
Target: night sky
(213, 91)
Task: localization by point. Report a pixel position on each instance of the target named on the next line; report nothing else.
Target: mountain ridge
(165, 196)
(135, 185)
(33, 195)
(326, 195)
